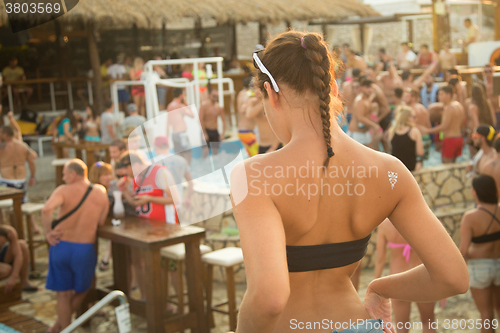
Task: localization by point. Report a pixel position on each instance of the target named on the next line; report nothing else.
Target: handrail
(93, 310)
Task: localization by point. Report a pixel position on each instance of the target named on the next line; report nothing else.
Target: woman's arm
(67, 133)
(465, 234)
(419, 145)
(264, 251)
(444, 272)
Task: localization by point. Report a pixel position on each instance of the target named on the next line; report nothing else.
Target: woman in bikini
(137, 91)
(313, 221)
(402, 260)
(480, 245)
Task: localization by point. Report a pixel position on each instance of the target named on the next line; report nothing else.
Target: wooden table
(16, 196)
(89, 146)
(151, 236)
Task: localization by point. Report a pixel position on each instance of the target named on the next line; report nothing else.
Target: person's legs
(496, 299)
(484, 303)
(138, 264)
(142, 106)
(29, 92)
(401, 310)
(5, 270)
(26, 260)
(426, 316)
(64, 311)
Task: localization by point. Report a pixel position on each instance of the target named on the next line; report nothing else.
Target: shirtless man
(482, 139)
(354, 61)
(492, 167)
(176, 110)
(72, 256)
(407, 77)
(245, 125)
(410, 98)
(210, 111)
(268, 142)
(447, 60)
(350, 89)
(361, 123)
(390, 81)
(13, 156)
(494, 99)
(451, 126)
(14, 260)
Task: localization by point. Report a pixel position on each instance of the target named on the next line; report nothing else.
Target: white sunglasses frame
(264, 70)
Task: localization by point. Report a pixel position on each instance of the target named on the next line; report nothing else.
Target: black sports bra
(325, 256)
(486, 238)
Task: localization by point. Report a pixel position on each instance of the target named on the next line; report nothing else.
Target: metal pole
(70, 95)
(11, 100)
(89, 91)
(52, 96)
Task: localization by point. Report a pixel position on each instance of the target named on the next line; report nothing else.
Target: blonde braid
(321, 66)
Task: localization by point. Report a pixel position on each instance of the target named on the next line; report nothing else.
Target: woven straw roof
(123, 13)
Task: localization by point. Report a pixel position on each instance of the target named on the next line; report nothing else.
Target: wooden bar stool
(177, 253)
(59, 164)
(28, 210)
(227, 257)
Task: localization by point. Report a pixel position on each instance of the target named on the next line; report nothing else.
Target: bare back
(13, 156)
(357, 197)
(422, 115)
(492, 168)
(477, 221)
(81, 227)
(388, 84)
(176, 118)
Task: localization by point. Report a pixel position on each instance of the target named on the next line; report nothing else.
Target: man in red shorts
(451, 124)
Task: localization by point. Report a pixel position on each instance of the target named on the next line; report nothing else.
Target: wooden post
(362, 37)
(95, 64)
(263, 34)
(288, 25)
(234, 41)
(497, 19)
(410, 31)
(163, 37)
(440, 26)
(325, 32)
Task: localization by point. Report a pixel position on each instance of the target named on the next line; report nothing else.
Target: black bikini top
(325, 256)
(486, 238)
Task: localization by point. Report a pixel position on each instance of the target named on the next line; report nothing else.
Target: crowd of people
(300, 264)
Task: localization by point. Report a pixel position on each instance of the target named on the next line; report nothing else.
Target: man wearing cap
(482, 139)
(133, 120)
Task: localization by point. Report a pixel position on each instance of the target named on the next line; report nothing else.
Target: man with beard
(210, 111)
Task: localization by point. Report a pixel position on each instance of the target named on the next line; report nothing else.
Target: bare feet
(56, 328)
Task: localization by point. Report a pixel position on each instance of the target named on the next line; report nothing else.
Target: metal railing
(93, 310)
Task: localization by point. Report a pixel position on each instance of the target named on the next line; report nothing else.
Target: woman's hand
(379, 307)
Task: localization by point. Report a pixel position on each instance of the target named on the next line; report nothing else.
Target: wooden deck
(18, 322)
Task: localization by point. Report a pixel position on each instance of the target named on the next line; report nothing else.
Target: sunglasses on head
(121, 165)
(260, 66)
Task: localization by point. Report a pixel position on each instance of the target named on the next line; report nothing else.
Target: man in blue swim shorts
(72, 256)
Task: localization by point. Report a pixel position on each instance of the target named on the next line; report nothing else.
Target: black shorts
(385, 123)
(213, 135)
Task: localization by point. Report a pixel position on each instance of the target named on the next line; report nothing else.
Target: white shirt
(117, 71)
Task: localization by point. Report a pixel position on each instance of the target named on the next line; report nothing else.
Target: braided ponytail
(321, 66)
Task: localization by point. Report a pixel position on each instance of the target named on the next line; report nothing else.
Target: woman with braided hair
(305, 212)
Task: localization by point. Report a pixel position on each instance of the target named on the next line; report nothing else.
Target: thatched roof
(123, 13)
